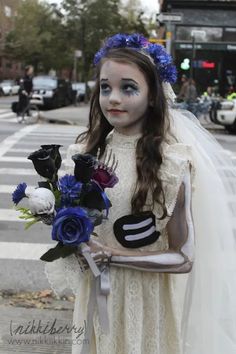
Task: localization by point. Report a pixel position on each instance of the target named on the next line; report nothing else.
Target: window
(201, 34)
(8, 11)
(230, 34)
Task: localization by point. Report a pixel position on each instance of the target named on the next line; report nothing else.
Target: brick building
(8, 11)
(207, 36)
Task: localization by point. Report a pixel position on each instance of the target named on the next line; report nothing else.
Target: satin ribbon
(99, 189)
(99, 290)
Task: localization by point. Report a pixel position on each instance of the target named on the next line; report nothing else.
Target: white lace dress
(144, 308)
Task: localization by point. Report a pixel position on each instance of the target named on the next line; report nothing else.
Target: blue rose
(72, 226)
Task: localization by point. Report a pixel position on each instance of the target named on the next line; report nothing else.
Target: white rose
(41, 201)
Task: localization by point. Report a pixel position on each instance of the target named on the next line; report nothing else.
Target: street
(18, 247)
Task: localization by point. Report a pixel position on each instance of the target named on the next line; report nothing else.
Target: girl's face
(123, 96)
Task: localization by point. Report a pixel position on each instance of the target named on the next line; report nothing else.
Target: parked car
(226, 115)
(9, 87)
(79, 88)
(52, 92)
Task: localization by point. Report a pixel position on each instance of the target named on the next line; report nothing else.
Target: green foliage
(39, 37)
(27, 215)
(47, 37)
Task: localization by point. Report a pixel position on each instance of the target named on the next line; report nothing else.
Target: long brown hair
(148, 149)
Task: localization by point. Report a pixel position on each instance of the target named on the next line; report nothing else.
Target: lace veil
(209, 316)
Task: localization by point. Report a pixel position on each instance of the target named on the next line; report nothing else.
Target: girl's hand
(96, 248)
(100, 253)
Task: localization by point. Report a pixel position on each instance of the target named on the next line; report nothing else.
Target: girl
(170, 203)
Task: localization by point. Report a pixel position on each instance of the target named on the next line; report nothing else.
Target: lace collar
(121, 140)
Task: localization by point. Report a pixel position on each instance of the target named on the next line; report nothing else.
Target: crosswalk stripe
(36, 143)
(13, 139)
(14, 159)
(31, 138)
(10, 215)
(23, 250)
(8, 120)
(23, 171)
(17, 171)
(52, 134)
(62, 151)
(8, 188)
(6, 114)
(3, 111)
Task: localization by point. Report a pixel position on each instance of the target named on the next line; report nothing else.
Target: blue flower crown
(155, 52)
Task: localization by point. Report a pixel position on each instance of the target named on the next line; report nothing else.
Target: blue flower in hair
(136, 41)
(116, 41)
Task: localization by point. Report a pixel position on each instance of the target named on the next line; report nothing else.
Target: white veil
(209, 316)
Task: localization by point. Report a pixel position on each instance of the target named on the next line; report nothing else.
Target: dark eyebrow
(127, 79)
(123, 79)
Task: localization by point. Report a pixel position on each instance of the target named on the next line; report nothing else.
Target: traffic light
(185, 65)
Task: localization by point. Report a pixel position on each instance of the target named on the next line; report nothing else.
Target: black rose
(44, 161)
(84, 167)
(54, 153)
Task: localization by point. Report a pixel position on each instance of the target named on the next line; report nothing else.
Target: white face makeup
(123, 96)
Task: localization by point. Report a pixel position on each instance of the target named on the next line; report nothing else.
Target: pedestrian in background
(188, 95)
(26, 88)
(182, 92)
(231, 95)
(170, 215)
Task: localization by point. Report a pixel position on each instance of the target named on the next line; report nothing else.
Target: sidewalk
(74, 115)
(35, 322)
(209, 125)
(79, 116)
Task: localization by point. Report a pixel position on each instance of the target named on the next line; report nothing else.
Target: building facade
(205, 38)
(9, 69)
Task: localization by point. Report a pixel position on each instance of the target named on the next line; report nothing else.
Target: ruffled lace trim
(64, 273)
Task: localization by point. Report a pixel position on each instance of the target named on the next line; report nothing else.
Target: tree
(132, 14)
(47, 36)
(39, 37)
(89, 22)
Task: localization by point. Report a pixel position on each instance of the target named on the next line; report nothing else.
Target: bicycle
(30, 114)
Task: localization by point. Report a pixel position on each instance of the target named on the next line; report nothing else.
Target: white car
(226, 115)
(79, 88)
(9, 87)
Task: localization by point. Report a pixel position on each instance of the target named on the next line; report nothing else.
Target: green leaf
(27, 215)
(30, 223)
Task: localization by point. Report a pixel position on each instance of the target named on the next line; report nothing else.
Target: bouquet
(73, 204)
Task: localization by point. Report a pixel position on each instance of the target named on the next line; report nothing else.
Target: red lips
(115, 111)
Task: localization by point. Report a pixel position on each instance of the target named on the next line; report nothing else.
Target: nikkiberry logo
(50, 328)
